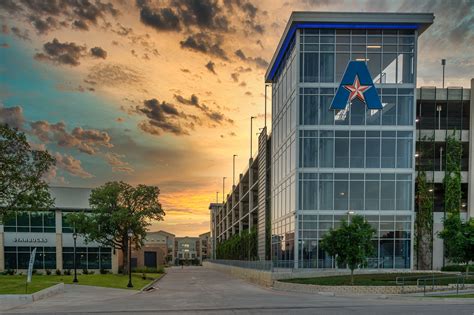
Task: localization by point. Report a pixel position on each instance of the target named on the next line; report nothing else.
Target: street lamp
(130, 234)
(233, 170)
(74, 236)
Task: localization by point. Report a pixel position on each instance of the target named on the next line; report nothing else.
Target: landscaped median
(378, 283)
(15, 284)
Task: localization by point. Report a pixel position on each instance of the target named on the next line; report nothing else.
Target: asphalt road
(196, 290)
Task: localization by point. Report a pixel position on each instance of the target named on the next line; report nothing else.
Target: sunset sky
(161, 92)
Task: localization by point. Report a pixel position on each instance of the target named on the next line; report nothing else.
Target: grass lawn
(16, 284)
(370, 279)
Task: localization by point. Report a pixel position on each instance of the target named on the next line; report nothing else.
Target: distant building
(205, 245)
(187, 250)
(158, 250)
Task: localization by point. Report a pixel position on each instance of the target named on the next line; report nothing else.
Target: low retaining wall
(260, 277)
(13, 300)
(360, 289)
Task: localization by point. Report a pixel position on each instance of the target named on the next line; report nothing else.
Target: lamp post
(251, 135)
(74, 236)
(233, 170)
(130, 234)
(223, 189)
(443, 63)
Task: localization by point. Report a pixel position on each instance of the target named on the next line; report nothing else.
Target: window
(31, 221)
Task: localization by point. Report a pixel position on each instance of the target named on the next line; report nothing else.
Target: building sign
(357, 84)
(30, 240)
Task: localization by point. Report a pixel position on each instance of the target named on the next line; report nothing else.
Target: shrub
(34, 271)
(161, 269)
(91, 272)
(48, 272)
(144, 276)
(148, 270)
(58, 272)
(39, 273)
(10, 272)
(67, 272)
(85, 271)
(104, 271)
(458, 268)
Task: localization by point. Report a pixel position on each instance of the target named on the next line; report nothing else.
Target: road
(196, 290)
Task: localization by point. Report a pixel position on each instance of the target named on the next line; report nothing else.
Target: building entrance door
(150, 259)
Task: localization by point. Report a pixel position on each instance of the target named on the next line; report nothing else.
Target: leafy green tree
(452, 177)
(351, 243)
(116, 208)
(22, 186)
(458, 239)
(424, 221)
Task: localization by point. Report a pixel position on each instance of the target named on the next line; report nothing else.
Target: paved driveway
(196, 290)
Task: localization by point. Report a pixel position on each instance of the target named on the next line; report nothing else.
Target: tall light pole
(443, 63)
(251, 135)
(130, 234)
(266, 85)
(233, 170)
(217, 197)
(74, 236)
(223, 189)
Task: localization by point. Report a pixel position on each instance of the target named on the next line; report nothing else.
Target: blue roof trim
(296, 26)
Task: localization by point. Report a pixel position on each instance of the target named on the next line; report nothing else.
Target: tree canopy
(458, 239)
(351, 244)
(118, 207)
(22, 186)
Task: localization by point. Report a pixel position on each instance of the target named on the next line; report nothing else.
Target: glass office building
(329, 164)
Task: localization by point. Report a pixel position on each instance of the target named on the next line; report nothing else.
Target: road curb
(150, 285)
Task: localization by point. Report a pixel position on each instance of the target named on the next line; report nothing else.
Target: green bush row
(239, 247)
(160, 269)
(458, 268)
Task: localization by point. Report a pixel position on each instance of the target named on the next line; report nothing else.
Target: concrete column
(2, 251)
(115, 261)
(470, 198)
(59, 239)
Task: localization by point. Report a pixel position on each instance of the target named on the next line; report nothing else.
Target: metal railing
(437, 282)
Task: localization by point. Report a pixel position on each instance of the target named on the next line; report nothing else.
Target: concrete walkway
(196, 290)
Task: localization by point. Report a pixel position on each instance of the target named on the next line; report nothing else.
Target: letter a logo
(356, 83)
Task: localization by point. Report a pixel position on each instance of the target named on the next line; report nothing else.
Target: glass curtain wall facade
(356, 159)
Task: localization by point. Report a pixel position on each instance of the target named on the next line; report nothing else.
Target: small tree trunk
(467, 269)
(352, 276)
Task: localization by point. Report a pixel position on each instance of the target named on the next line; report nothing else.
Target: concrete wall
(259, 277)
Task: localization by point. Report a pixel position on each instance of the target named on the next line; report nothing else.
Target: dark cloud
(43, 26)
(12, 116)
(85, 140)
(163, 19)
(80, 25)
(4, 45)
(98, 52)
(248, 14)
(210, 66)
(162, 118)
(259, 61)
(213, 115)
(235, 76)
(203, 14)
(62, 53)
(185, 70)
(71, 165)
(20, 34)
(10, 6)
(206, 44)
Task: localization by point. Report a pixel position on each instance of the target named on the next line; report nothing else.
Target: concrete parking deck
(197, 290)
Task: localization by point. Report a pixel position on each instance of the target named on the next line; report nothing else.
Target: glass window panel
(404, 153)
(310, 152)
(10, 261)
(341, 152)
(389, 110)
(326, 152)
(404, 198)
(372, 158)
(387, 189)
(406, 69)
(340, 195)
(357, 153)
(327, 67)
(326, 115)
(326, 195)
(386, 253)
(310, 114)
(311, 67)
(405, 110)
(402, 254)
(372, 191)
(50, 260)
(388, 153)
(389, 68)
(23, 219)
(341, 64)
(357, 195)
(374, 63)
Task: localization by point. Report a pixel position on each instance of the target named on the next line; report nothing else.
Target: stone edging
(354, 290)
(152, 283)
(28, 298)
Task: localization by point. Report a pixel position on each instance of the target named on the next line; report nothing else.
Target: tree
(22, 186)
(458, 239)
(424, 222)
(351, 244)
(116, 208)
